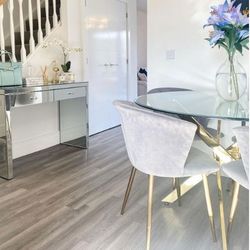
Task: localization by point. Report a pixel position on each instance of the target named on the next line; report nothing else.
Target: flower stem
(234, 87)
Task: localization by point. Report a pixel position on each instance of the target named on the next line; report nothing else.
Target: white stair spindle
(12, 30)
(40, 32)
(23, 50)
(55, 19)
(47, 25)
(2, 40)
(32, 41)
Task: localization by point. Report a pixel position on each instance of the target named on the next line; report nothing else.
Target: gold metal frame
(233, 207)
(150, 208)
(209, 206)
(129, 186)
(178, 190)
(185, 187)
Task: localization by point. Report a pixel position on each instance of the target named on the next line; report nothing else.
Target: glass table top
(196, 103)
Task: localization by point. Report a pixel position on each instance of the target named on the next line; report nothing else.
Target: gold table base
(185, 187)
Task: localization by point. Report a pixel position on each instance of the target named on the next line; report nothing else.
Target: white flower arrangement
(66, 52)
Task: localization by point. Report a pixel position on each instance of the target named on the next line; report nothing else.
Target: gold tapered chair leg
(209, 206)
(129, 186)
(233, 207)
(178, 190)
(222, 215)
(150, 207)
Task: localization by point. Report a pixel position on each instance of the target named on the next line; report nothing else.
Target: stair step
(35, 23)
(27, 36)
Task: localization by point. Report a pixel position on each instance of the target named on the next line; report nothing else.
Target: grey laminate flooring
(66, 198)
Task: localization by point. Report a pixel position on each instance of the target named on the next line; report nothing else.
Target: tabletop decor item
(230, 30)
(10, 72)
(55, 70)
(45, 74)
(66, 75)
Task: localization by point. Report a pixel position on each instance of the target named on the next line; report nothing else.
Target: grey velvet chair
(238, 170)
(160, 145)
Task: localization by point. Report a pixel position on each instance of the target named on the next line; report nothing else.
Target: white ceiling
(142, 5)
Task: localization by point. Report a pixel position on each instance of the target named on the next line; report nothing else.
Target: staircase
(41, 19)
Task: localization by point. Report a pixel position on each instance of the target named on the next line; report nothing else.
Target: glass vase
(231, 80)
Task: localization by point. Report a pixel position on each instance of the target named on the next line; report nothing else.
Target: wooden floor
(66, 198)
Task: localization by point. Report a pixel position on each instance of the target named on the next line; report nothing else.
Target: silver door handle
(33, 98)
(113, 65)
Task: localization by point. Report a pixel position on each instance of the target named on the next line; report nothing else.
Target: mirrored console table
(72, 99)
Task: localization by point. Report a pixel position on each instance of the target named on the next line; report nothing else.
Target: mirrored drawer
(30, 98)
(63, 94)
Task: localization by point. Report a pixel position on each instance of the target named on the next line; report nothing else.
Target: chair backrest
(167, 89)
(242, 135)
(157, 144)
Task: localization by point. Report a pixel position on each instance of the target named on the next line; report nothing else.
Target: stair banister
(55, 19)
(40, 32)
(32, 41)
(22, 25)
(2, 39)
(12, 30)
(47, 25)
(23, 50)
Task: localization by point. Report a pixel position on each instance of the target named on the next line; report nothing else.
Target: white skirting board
(22, 148)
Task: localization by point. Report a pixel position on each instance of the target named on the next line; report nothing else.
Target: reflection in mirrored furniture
(72, 99)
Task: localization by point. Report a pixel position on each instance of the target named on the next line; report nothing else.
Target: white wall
(178, 25)
(141, 38)
(132, 49)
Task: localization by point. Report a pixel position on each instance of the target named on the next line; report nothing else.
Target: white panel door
(106, 37)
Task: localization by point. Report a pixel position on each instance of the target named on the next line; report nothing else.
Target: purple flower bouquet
(230, 30)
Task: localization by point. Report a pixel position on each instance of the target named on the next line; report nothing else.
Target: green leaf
(245, 41)
(246, 47)
(68, 65)
(64, 68)
(238, 47)
(223, 45)
(232, 38)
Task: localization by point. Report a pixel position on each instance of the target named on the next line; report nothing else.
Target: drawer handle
(70, 93)
(33, 98)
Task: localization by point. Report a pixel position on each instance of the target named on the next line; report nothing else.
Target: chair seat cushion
(199, 163)
(236, 171)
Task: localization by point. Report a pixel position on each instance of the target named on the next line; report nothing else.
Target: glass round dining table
(195, 104)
